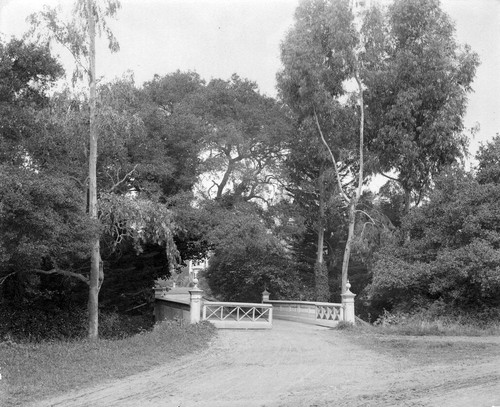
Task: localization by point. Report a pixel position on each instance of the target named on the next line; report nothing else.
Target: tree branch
(368, 216)
(128, 174)
(337, 175)
(2, 280)
(62, 42)
(389, 177)
(67, 273)
(82, 184)
(214, 184)
(252, 196)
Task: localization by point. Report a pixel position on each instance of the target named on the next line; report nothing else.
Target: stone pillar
(348, 305)
(265, 296)
(195, 304)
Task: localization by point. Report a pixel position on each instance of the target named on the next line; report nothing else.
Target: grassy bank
(423, 324)
(427, 342)
(37, 371)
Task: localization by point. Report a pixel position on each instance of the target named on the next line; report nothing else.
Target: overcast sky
(219, 37)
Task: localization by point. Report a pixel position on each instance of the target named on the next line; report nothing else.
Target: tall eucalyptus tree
(320, 56)
(417, 79)
(79, 36)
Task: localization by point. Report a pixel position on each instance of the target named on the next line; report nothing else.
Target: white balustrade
(318, 313)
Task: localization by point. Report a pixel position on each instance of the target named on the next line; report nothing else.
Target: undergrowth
(421, 324)
(40, 370)
(39, 322)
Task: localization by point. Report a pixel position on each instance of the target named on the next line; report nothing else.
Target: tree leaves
(48, 25)
(143, 221)
(453, 252)
(417, 80)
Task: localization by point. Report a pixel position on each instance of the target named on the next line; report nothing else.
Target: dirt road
(305, 366)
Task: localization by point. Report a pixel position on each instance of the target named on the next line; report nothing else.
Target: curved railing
(318, 313)
(238, 315)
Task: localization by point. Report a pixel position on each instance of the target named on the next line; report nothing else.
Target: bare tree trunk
(320, 270)
(407, 201)
(406, 233)
(353, 202)
(348, 244)
(95, 258)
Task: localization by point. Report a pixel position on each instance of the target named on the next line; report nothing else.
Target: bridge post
(265, 296)
(348, 305)
(195, 304)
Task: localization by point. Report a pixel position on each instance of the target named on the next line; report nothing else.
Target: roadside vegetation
(423, 324)
(34, 371)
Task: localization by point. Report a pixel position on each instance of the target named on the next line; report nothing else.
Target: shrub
(36, 321)
(31, 321)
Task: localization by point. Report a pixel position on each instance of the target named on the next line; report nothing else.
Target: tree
(417, 80)
(172, 119)
(319, 55)
(247, 257)
(312, 188)
(79, 38)
(488, 157)
(243, 146)
(27, 71)
(451, 262)
(44, 228)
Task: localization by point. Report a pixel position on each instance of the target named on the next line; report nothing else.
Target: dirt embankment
(305, 366)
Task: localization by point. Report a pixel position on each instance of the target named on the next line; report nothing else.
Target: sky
(217, 38)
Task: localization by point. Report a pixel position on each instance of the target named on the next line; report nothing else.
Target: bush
(35, 322)
(30, 322)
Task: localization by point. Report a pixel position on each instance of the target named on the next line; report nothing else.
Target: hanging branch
(368, 216)
(67, 273)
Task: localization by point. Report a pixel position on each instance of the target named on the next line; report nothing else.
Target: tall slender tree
(79, 38)
(96, 271)
(319, 57)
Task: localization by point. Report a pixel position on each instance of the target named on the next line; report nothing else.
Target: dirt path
(303, 366)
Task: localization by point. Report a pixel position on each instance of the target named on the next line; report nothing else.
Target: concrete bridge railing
(174, 305)
(187, 304)
(310, 312)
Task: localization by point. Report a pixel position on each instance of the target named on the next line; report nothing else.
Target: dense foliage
(417, 81)
(451, 262)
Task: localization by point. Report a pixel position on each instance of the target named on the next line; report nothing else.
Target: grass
(428, 342)
(425, 325)
(439, 328)
(36, 371)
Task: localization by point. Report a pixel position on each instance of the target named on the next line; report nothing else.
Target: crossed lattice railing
(237, 311)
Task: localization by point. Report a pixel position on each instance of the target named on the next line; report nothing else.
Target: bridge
(187, 304)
